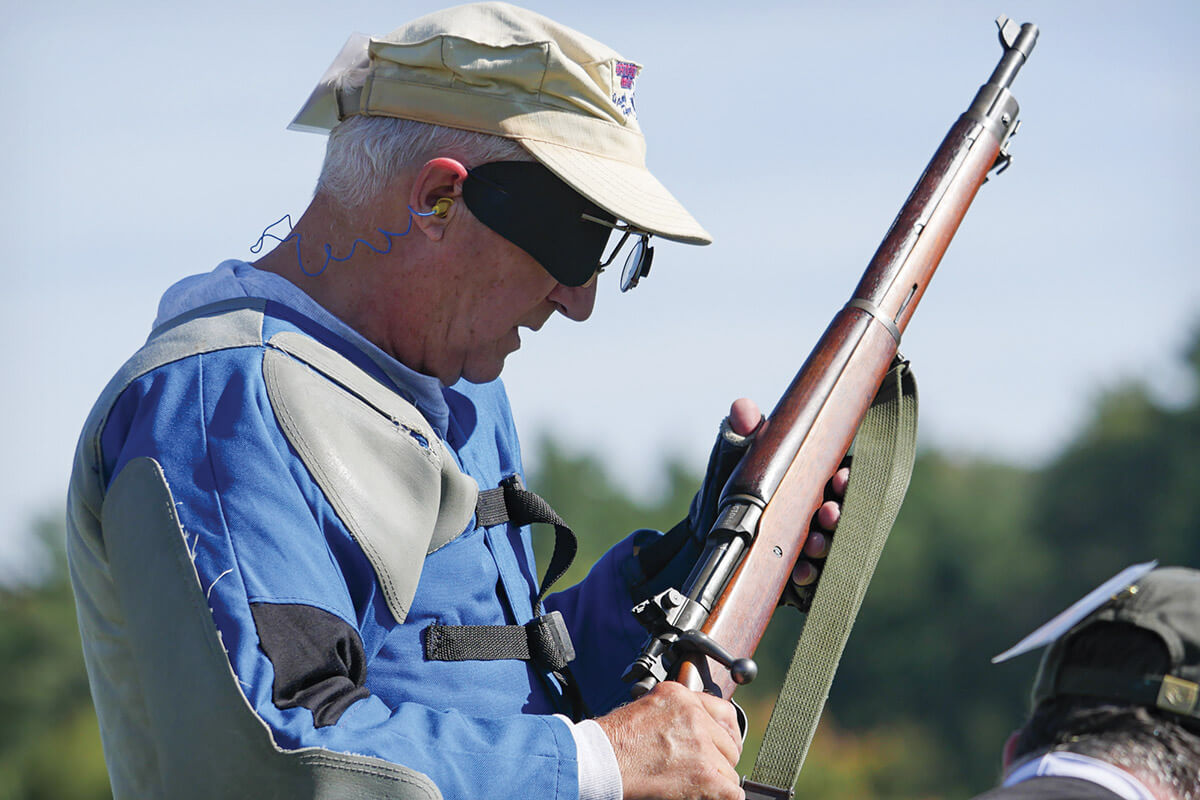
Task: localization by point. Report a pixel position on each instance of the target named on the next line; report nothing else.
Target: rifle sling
(884, 449)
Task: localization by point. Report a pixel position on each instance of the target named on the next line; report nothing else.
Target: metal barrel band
(877, 314)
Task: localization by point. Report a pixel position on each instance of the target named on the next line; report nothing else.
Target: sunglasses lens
(637, 264)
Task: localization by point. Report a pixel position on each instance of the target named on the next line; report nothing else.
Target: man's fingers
(817, 545)
(676, 744)
(804, 573)
(839, 481)
(827, 517)
(724, 715)
(829, 514)
(744, 416)
(733, 780)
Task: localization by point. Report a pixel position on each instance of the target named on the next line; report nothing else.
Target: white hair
(365, 153)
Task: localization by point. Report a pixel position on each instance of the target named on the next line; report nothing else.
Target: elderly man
(298, 534)
(1117, 699)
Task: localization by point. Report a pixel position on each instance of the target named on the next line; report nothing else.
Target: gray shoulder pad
(381, 465)
(205, 740)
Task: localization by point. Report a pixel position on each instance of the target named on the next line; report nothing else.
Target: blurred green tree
(940, 604)
(50, 743)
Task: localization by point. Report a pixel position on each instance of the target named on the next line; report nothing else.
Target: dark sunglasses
(637, 263)
(565, 232)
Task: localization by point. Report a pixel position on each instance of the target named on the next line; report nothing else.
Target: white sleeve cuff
(599, 773)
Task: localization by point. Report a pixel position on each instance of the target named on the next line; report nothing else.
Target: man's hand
(816, 547)
(686, 540)
(676, 744)
(744, 419)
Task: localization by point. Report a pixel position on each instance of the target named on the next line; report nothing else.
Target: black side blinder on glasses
(537, 211)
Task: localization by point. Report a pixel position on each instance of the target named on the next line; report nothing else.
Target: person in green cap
(1116, 701)
(298, 535)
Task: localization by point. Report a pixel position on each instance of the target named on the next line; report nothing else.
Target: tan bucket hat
(499, 69)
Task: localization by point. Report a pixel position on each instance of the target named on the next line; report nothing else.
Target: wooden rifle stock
(770, 499)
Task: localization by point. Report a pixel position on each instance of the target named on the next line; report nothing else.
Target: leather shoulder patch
(381, 465)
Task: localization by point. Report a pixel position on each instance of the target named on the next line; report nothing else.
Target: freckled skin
(480, 329)
(447, 299)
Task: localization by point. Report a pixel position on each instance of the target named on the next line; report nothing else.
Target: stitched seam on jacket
(216, 492)
(344, 379)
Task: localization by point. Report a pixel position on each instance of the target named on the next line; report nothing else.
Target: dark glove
(666, 560)
(727, 452)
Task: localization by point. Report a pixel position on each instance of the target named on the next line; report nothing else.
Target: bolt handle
(742, 670)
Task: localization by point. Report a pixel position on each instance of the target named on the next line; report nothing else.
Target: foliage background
(982, 552)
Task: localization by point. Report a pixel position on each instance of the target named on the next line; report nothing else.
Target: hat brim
(628, 192)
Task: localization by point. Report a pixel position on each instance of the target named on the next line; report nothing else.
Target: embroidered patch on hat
(622, 97)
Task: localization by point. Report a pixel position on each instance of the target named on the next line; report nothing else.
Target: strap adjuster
(765, 791)
(544, 640)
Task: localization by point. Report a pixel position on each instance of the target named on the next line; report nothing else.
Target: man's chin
(483, 373)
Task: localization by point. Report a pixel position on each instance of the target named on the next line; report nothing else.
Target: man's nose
(574, 302)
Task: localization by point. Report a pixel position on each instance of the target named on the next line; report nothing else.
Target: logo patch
(626, 73)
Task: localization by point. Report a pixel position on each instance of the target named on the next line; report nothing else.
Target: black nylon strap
(544, 640)
(512, 502)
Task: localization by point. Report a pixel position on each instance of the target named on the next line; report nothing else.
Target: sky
(146, 141)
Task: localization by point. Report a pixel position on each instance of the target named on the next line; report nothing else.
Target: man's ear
(1010, 747)
(437, 188)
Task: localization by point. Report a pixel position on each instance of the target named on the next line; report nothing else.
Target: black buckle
(763, 791)
(549, 641)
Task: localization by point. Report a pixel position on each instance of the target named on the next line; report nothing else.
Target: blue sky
(145, 142)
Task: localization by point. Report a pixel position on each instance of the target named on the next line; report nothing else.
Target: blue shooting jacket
(268, 545)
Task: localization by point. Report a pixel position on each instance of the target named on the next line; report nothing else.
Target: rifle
(704, 634)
